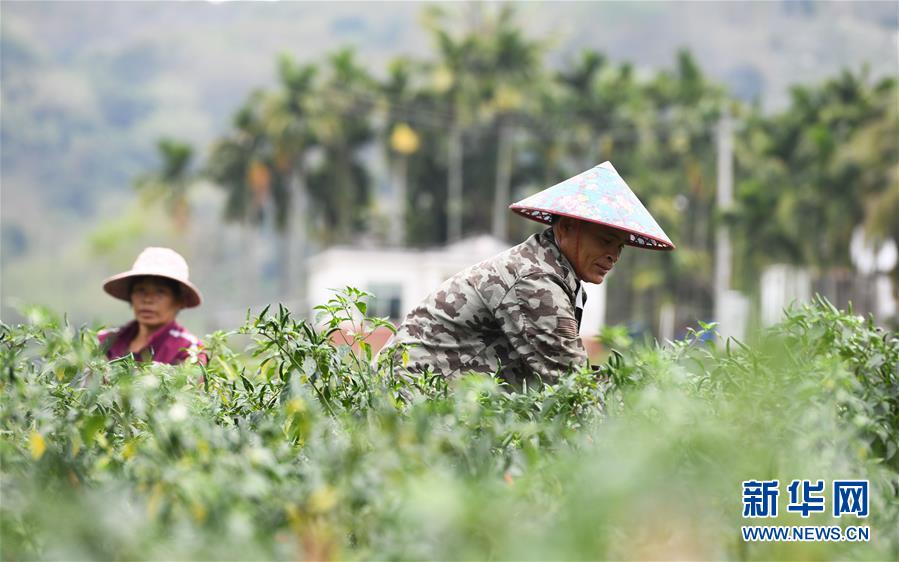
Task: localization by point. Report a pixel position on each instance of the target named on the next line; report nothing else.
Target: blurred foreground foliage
(300, 449)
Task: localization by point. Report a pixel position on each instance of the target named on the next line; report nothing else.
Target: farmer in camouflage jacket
(518, 313)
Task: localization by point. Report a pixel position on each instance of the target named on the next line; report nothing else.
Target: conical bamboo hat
(598, 195)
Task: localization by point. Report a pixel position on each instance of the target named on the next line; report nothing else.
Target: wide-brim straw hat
(156, 262)
(598, 195)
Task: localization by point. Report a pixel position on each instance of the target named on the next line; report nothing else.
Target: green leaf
(91, 426)
(366, 348)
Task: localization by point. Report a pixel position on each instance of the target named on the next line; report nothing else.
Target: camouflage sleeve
(538, 317)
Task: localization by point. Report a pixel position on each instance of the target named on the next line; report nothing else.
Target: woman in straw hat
(157, 287)
(519, 312)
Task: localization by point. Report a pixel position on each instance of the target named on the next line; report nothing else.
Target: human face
(591, 248)
(154, 302)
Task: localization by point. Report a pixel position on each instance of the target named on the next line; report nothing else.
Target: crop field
(293, 448)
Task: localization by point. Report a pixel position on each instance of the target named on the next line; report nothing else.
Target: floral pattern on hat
(598, 195)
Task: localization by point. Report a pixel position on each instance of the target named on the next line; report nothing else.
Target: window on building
(387, 300)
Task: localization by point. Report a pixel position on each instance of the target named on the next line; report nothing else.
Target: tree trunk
(396, 233)
(293, 241)
(502, 189)
(346, 203)
(454, 186)
(249, 267)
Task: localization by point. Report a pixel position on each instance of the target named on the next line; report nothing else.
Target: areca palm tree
(833, 147)
(871, 155)
(680, 149)
(513, 66)
(403, 141)
(241, 164)
(288, 120)
(658, 132)
(171, 183)
(341, 125)
(814, 172)
(583, 114)
(456, 82)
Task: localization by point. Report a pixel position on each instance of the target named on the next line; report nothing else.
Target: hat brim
(635, 239)
(119, 286)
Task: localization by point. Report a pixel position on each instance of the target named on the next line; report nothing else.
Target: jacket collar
(163, 333)
(557, 260)
(128, 332)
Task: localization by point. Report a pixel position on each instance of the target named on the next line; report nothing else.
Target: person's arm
(538, 318)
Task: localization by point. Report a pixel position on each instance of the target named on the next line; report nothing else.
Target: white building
(401, 278)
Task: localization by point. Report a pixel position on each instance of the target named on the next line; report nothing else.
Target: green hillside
(88, 88)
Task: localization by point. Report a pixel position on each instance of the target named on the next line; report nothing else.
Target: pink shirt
(170, 344)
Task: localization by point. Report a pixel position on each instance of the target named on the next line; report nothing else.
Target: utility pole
(454, 189)
(724, 200)
(503, 180)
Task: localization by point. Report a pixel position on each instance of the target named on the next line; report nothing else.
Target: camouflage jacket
(513, 313)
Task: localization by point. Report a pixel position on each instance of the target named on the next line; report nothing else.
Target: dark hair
(170, 283)
(555, 219)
